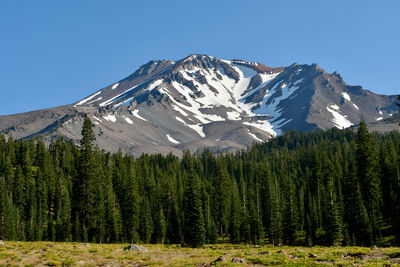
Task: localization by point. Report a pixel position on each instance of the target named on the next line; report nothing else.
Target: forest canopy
(335, 187)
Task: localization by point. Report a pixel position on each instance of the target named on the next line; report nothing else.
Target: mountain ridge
(203, 102)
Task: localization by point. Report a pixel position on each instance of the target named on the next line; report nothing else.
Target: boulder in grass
(136, 248)
(265, 253)
(312, 255)
(220, 259)
(282, 252)
(2, 243)
(238, 260)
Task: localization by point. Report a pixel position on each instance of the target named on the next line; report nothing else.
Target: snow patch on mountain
(346, 96)
(271, 107)
(298, 81)
(87, 99)
(128, 120)
(98, 99)
(115, 86)
(195, 127)
(172, 140)
(245, 75)
(126, 102)
(264, 126)
(266, 78)
(136, 114)
(339, 120)
(254, 136)
(335, 107)
(153, 85)
(110, 117)
(97, 119)
(233, 115)
(117, 97)
(179, 110)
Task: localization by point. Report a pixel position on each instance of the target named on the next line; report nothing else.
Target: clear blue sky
(57, 52)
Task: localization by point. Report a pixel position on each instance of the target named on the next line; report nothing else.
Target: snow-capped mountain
(205, 102)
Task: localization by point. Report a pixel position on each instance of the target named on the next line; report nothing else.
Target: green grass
(76, 254)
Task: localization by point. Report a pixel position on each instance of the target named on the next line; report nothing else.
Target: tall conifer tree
(193, 228)
(86, 182)
(367, 172)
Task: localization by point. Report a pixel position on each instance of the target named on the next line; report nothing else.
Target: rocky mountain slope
(205, 102)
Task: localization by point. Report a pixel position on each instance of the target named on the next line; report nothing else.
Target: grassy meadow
(78, 254)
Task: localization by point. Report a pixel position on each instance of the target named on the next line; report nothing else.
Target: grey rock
(282, 252)
(265, 253)
(220, 259)
(238, 260)
(312, 255)
(135, 248)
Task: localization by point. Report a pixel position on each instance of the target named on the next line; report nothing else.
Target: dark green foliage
(174, 226)
(221, 196)
(334, 218)
(86, 184)
(145, 221)
(333, 187)
(368, 175)
(236, 216)
(193, 223)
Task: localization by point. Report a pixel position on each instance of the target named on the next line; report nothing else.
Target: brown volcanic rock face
(203, 102)
(258, 67)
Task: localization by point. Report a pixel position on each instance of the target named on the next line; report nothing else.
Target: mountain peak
(205, 102)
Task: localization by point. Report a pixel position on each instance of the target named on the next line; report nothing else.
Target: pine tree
(334, 219)
(145, 221)
(86, 183)
(174, 229)
(77, 231)
(389, 161)
(63, 212)
(19, 188)
(112, 215)
(356, 213)
(160, 228)
(367, 172)
(221, 197)
(235, 217)
(7, 213)
(193, 227)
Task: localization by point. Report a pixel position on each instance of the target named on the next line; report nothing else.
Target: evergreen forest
(334, 187)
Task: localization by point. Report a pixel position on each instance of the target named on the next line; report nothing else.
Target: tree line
(334, 187)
